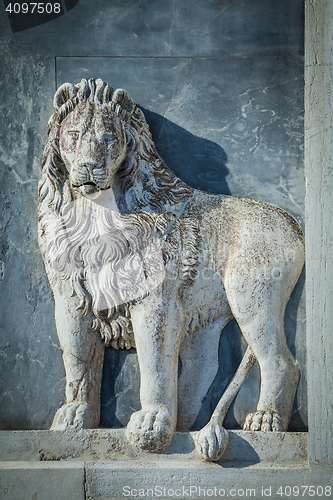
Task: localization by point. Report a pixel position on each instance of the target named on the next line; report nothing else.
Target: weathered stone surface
(110, 481)
(180, 143)
(42, 481)
(221, 125)
(260, 29)
(31, 378)
(173, 28)
(137, 258)
(252, 121)
(318, 220)
(319, 161)
(111, 444)
(101, 29)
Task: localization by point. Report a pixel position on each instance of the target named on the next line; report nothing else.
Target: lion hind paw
(264, 421)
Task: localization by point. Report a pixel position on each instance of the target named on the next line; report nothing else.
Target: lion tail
(236, 383)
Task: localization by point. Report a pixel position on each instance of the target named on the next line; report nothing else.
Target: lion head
(92, 146)
(98, 138)
(99, 142)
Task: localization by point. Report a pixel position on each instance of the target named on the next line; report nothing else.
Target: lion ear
(123, 99)
(64, 93)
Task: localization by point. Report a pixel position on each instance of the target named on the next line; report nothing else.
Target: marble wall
(221, 84)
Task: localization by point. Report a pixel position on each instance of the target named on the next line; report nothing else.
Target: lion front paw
(212, 441)
(151, 430)
(77, 415)
(263, 421)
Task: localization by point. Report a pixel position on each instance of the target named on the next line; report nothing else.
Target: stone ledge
(109, 482)
(42, 481)
(75, 480)
(111, 444)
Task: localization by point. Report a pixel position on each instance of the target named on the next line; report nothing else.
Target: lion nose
(89, 165)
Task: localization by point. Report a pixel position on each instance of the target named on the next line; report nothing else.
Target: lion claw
(264, 421)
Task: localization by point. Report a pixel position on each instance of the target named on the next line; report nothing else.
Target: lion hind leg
(259, 310)
(279, 378)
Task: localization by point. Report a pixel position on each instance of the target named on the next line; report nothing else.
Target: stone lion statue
(136, 258)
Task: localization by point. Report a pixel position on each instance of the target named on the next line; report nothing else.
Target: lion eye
(74, 134)
(109, 138)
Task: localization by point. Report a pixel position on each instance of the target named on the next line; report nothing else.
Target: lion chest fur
(114, 260)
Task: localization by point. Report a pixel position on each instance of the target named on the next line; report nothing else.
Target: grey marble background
(221, 84)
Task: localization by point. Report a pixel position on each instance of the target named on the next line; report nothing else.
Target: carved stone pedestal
(102, 464)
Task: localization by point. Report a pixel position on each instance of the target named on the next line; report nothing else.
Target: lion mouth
(88, 187)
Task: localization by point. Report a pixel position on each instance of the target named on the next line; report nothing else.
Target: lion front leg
(83, 353)
(157, 323)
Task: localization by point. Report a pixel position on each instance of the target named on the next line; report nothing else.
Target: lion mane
(111, 268)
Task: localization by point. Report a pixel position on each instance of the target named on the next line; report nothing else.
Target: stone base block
(42, 480)
(112, 444)
(102, 465)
